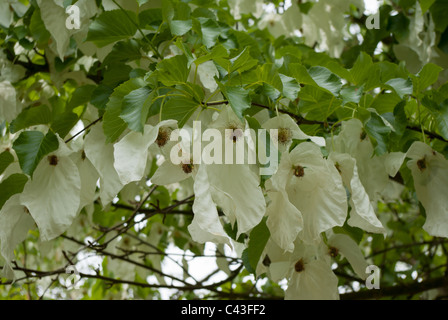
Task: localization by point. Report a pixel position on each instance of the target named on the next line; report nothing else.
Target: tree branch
(403, 289)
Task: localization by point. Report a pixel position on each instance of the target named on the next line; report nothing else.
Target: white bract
(206, 225)
(310, 274)
(354, 141)
(9, 108)
(15, 222)
(430, 173)
(362, 214)
(315, 188)
(131, 152)
(102, 157)
(53, 194)
(287, 130)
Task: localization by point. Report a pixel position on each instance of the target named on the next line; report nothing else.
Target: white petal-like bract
(206, 225)
(430, 172)
(102, 157)
(15, 222)
(53, 194)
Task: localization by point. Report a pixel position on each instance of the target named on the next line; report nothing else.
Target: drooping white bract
(342, 244)
(89, 178)
(310, 274)
(284, 219)
(274, 261)
(430, 172)
(362, 214)
(9, 108)
(354, 141)
(285, 24)
(238, 193)
(239, 7)
(170, 171)
(206, 72)
(15, 222)
(53, 194)
(237, 184)
(315, 188)
(102, 157)
(131, 152)
(287, 131)
(206, 225)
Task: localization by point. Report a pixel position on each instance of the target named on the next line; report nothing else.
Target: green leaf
(12, 185)
(438, 12)
(6, 158)
(209, 31)
(180, 109)
(180, 27)
(360, 71)
(151, 18)
(426, 4)
(173, 71)
(115, 74)
(440, 114)
(135, 108)
(258, 238)
(100, 96)
(30, 117)
(112, 26)
(218, 53)
(32, 146)
(167, 10)
(385, 102)
(291, 87)
(246, 261)
(63, 123)
(379, 131)
(113, 125)
(268, 73)
(37, 28)
(324, 78)
(238, 98)
(428, 75)
(351, 94)
(401, 120)
(81, 96)
(243, 61)
(398, 25)
(123, 51)
(401, 86)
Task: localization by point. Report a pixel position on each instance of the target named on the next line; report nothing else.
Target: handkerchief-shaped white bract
(311, 277)
(53, 194)
(240, 195)
(206, 72)
(206, 225)
(284, 219)
(287, 131)
(371, 169)
(274, 261)
(348, 248)
(89, 178)
(102, 157)
(430, 172)
(239, 7)
(15, 222)
(9, 107)
(131, 152)
(315, 188)
(362, 214)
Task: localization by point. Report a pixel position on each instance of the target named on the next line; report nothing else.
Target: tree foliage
(93, 93)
